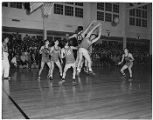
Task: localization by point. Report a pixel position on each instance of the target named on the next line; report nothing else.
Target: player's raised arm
(87, 29)
(99, 26)
(73, 36)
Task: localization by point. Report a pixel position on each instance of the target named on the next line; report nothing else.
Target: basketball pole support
(44, 24)
(124, 16)
(44, 28)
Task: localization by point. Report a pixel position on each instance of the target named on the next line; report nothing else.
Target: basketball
(46, 51)
(116, 20)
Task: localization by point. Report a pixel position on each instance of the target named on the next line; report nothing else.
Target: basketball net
(47, 8)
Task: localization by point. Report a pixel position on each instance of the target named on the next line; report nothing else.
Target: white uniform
(5, 61)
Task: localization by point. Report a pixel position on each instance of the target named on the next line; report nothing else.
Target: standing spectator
(5, 60)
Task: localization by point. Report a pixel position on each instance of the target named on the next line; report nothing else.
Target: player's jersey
(69, 55)
(45, 54)
(127, 60)
(5, 48)
(79, 37)
(4, 51)
(85, 44)
(55, 54)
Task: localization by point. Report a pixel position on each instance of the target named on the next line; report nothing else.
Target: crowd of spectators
(26, 51)
(106, 53)
(110, 53)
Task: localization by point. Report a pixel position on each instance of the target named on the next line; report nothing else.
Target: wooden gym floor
(105, 96)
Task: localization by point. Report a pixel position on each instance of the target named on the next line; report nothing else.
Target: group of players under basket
(54, 55)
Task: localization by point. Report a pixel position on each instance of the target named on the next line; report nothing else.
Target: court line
(17, 106)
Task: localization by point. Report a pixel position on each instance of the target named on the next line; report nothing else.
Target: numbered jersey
(55, 54)
(45, 54)
(69, 55)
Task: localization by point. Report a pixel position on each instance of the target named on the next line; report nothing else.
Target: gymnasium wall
(64, 23)
(35, 21)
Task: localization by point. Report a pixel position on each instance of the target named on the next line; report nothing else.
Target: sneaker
(130, 79)
(91, 73)
(86, 71)
(61, 76)
(38, 77)
(63, 80)
(74, 82)
(123, 74)
(50, 78)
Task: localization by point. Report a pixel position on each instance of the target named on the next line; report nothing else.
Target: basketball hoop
(47, 9)
(34, 6)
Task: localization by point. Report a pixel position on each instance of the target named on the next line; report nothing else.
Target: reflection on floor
(104, 96)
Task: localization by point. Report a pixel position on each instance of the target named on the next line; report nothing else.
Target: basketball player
(5, 60)
(85, 44)
(55, 58)
(67, 52)
(129, 62)
(80, 36)
(45, 51)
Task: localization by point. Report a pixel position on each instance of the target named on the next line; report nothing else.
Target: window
(79, 4)
(100, 6)
(68, 10)
(58, 9)
(144, 23)
(5, 4)
(145, 7)
(100, 15)
(16, 5)
(138, 22)
(79, 12)
(108, 7)
(132, 12)
(144, 14)
(140, 16)
(132, 21)
(108, 17)
(107, 11)
(138, 13)
(116, 8)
